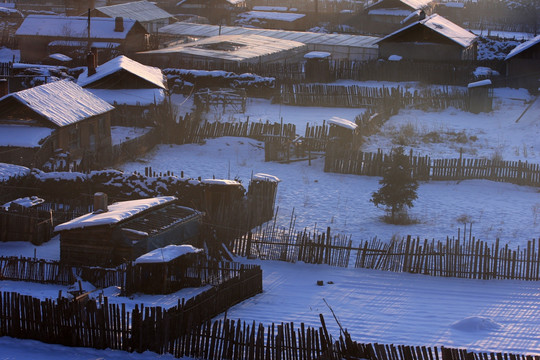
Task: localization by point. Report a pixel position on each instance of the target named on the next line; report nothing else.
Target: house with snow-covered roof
(385, 16)
(433, 38)
(40, 35)
(37, 122)
(123, 231)
(151, 16)
(523, 65)
(217, 11)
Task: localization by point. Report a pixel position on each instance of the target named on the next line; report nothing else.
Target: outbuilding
(523, 65)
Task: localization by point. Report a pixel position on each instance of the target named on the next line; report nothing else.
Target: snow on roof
(24, 202)
(142, 11)
(116, 213)
(233, 47)
(389, 12)
(166, 254)
(265, 177)
(348, 124)
(270, 8)
(522, 47)
(271, 15)
(133, 97)
(413, 4)
(60, 57)
(485, 82)
(395, 58)
(310, 38)
(73, 27)
(220, 182)
(23, 135)
(317, 55)
(442, 26)
(61, 102)
(149, 73)
(7, 171)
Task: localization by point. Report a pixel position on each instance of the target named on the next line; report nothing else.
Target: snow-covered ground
(374, 306)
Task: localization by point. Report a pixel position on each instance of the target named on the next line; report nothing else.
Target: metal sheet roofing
(61, 102)
(73, 27)
(142, 11)
(203, 30)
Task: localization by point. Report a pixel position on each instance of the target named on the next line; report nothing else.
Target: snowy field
(374, 306)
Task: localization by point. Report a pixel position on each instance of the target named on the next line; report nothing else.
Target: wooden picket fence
(364, 96)
(342, 160)
(104, 325)
(465, 258)
(35, 270)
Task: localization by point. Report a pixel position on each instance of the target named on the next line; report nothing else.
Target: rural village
(270, 179)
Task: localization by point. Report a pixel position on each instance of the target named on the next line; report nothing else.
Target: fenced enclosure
(112, 326)
(35, 270)
(346, 161)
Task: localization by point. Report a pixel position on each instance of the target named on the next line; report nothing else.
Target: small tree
(398, 185)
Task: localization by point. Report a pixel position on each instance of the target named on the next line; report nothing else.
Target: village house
(149, 15)
(123, 231)
(386, 16)
(433, 38)
(273, 20)
(130, 86)
(523, 65)
(340, 46)
(217, 11)
(42, 35)
(37, 122)
(219, 51)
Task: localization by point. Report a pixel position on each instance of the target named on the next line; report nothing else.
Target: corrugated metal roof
(142, 11)
(61, 102)
(73, 27)
(203, 30)
(235, 47)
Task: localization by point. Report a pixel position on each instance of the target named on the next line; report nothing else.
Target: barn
(149, 15)
(341, 46)
(433, 38)
(42, 35)
(36, 122)
(219, 51)
(523, 65)
(123, 231)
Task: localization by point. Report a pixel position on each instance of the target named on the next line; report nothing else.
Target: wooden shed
(123, 231)
(318, 66)
(433, 38)
(480, 96)
(523, 65)
(164, 270)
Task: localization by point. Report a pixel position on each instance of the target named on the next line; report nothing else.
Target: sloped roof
(61, 102)
(116, 213)
(443, 27)
(522, 47)
(149, 73)
(413, 4)
(166, 254)
(142, 11)
(74, 27)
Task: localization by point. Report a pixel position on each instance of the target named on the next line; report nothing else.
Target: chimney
(94, 51)
(91, 63)
(4, 87)
(422, 15)
(119, 24)
(100, 203)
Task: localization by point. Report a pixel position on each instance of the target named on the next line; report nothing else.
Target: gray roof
(203, 30)
(142, 11)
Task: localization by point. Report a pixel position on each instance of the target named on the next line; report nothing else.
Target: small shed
(523, 65)
(273, 20)
(164, 270)
(433, 38)
(123, 231)
(21, 220)
(317, 66)
(480, 96)
(341, 130)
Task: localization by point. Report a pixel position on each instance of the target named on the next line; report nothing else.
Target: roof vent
(422, 15)
(100, 203)
(119, 24)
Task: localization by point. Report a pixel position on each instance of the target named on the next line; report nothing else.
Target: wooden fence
(364, 96)
(102, 326)
(35, 270)
(33, 226)
(341, 160)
